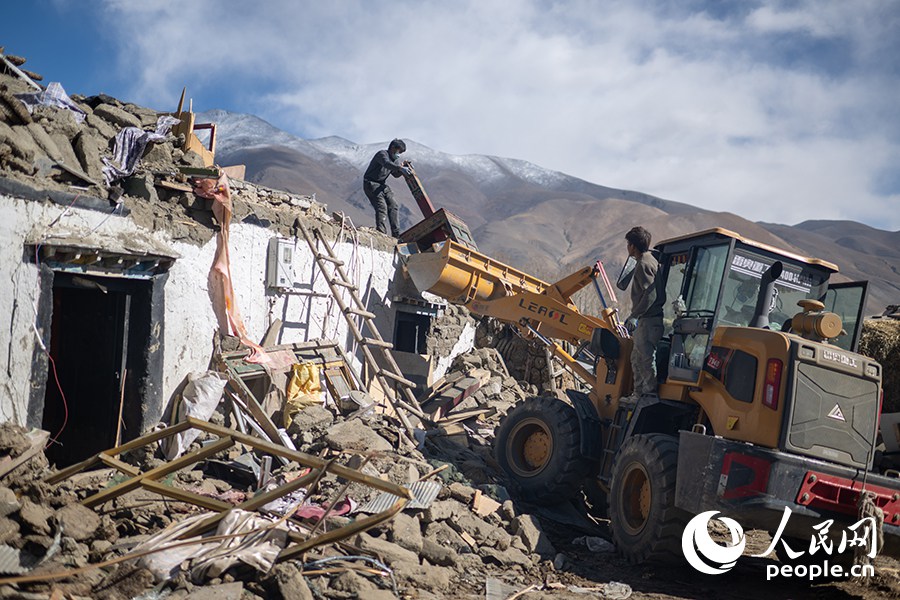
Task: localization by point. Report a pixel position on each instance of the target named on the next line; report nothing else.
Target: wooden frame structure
(151, 481)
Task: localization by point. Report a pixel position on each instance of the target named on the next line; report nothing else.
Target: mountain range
(544, 222)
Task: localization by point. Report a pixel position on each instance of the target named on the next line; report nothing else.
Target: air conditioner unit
(280, 263)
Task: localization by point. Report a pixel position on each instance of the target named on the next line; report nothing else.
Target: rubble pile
(465, 534)
(50, 151)
(529, 362)
(446, 330)
(880, 339)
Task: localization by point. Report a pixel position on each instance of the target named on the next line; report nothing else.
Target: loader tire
(538, 446)
(644, 521)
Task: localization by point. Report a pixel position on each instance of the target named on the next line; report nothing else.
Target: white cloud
(690, 107)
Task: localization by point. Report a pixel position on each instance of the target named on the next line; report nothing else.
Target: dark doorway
(410, 331)
(99, 334)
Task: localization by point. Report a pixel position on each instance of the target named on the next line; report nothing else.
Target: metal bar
(19, 72)
(561, 354)
(600, 293)
(160, 471)
(609, 287)
(115, 463)
(342, 533)
(154, 436)
(185, 496)
(301, 458)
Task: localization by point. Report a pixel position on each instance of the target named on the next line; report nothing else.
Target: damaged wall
(189, 320)
(51, 186)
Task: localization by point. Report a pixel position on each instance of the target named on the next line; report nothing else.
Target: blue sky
(775, 110)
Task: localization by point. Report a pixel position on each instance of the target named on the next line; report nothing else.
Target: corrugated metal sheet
(424, 493)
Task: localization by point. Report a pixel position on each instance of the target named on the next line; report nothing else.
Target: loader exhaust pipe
(765, 299)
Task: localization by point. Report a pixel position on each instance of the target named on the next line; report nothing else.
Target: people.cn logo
(703, 553)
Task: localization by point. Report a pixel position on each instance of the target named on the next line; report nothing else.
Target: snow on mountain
(237, 131)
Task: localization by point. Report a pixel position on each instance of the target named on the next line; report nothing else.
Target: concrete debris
(78, 522)
(355, 435)
(455, 541)
(595, 544)
(529, 531)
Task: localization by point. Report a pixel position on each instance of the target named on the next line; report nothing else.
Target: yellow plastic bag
(303, 390)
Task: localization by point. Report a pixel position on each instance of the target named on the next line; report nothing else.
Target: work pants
(382, 199)
(643, 354)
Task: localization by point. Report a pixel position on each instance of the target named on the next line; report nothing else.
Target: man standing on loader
(645, 320)
(384, 163)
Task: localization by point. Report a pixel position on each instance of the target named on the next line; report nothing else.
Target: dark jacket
(643, 288)
(382, 166)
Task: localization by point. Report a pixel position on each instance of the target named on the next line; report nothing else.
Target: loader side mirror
(627, 272)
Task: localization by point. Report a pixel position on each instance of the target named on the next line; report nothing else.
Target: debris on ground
(880, 339)
(296, 477)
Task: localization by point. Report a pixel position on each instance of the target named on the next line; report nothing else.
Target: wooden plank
(361, 313)
(171, 185)
(272, 333)
(212, 173)
(242, 369)
(115, 463)
(397, 378)
(467, 414)
(438, 386)
(250, 401)
(235, 171)
(151, 437)
(161, 471)
(185, 496)
(484, 505)
(331, 259)
(376, 343)
(193, 144)
(37, 439)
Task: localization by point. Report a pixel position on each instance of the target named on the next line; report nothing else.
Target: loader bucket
(462, 275)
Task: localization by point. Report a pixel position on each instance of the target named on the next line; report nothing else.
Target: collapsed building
(142, 275)
(117, 287)
(203, 359)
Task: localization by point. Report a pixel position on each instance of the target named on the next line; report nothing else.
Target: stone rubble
(446, 550)
(446, 546)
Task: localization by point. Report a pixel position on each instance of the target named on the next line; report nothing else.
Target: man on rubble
(384, 163)
(645, 320)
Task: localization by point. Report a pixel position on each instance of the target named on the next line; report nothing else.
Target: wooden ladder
(403, 400)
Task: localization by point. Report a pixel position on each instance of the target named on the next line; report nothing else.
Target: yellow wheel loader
(763, 402)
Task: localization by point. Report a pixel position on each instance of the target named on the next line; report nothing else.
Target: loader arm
(488, 287)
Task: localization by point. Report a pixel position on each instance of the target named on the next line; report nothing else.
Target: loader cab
(712, 278)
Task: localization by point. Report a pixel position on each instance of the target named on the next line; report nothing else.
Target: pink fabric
(220, 275)
(314, 511)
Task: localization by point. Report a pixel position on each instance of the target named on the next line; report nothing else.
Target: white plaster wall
(189, 319)
(22, 220)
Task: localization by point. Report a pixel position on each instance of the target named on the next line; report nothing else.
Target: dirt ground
(680, 581)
